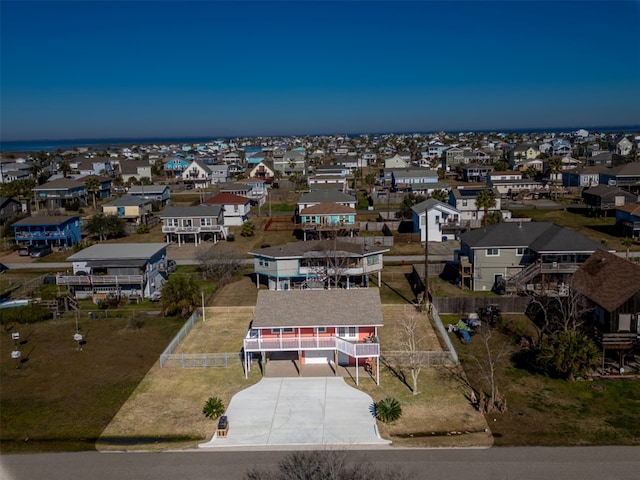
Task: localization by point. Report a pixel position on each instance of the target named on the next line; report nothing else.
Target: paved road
(517, 463)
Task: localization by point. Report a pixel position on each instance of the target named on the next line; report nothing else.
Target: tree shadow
(396, 372)
(397, 293)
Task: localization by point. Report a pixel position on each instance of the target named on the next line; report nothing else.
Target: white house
(443, 220)
(198, 173)
(236, 208)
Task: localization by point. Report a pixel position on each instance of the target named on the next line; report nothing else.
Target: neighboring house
(476, 173)
(198, 174)
(9, 208)
(582, 177)
(258, 190)
(524, 152)
(396, 162)
(404, 179)
(328, 219)
(135, 170)
(612, 285)
(173, 168)
(451, 158)
(219, 173)
(523, 165)
(511, 183)
(335, 182)
(464, 200)
(199, 223)
(104, 190)
(520, 256)
(316, 197)
(330, 170)
(55, 231)
(263, 170)
(58, 193)
(628, 219)
(316, 327)
(157, 193)
(130, 208)
(622, 146)
(318, 264)
(289, 162)
(626, 175)
(602, 198)
(443, 220)
(235, 207)
(116, 270)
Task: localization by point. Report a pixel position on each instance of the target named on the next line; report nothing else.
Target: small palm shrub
(388, 410)
(213, 408)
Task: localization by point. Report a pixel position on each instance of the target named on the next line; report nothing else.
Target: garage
(318, 357)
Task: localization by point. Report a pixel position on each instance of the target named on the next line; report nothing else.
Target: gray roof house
(517, 256)
(317, 264)
(117, 269)
(198, 223)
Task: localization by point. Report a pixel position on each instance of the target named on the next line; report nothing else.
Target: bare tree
(218, 263)
(410, 343)
(564, 311)
(493, 350)
(326, 465)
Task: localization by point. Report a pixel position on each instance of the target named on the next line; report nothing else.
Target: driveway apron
(299, 411)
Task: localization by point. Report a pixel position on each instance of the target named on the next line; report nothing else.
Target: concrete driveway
(299, 411)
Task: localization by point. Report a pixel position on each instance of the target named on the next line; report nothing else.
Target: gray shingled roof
(126, 201)
(539, 236)
(308, 308)
(195, 211)
(315, 248)
(45, 220)
(328, 195)
(118, 251)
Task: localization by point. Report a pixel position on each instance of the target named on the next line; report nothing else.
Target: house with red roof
(235, 207)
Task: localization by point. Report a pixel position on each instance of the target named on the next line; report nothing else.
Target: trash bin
(223, 426)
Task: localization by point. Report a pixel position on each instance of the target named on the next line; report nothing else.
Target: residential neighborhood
(377, 261)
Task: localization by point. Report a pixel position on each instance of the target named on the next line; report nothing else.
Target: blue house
(323, 219)
(174, 167)
(48, 230)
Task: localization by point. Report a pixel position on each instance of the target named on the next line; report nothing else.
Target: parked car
(40, 251)
(25, 250)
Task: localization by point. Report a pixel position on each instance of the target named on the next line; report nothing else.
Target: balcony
(288, 343)
(91, 280)
(199, 229)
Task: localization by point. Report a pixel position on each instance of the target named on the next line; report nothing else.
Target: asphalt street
(515, 463)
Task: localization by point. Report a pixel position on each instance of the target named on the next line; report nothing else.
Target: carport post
(378, 370)
(246, 366)
(357, 382)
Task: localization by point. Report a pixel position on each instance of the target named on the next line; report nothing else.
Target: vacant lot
(60, 397)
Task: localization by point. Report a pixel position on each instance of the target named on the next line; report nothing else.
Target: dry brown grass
(222, 330)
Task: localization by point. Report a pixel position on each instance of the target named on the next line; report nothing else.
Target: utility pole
(426, 255)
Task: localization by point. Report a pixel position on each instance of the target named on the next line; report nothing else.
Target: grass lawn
(547, 411)
(61, 398)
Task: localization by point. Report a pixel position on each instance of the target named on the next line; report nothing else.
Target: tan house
(130, 208)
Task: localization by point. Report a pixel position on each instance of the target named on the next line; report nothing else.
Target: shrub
(213, 408)
(388, 410)
(27, 314)
(142, 228)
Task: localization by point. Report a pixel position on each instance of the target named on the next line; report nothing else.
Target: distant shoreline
(66, 144)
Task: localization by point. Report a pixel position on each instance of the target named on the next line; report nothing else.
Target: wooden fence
(464, 305)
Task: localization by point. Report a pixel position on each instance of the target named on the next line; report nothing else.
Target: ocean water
(102, 143)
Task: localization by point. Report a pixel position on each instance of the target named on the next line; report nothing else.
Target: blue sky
(81, 69)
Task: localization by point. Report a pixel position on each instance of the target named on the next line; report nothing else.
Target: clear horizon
(247, 69)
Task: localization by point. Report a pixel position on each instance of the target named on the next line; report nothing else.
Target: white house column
(257, 280)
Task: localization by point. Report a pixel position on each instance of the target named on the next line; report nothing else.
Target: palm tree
(65, 168)
(388, 410)
(486, 199)
(213, 408)
(440, 195)
(92, 185)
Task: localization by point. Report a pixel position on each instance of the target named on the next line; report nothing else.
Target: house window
(263, 262)
(278, 331)
(206, 222)
(373, 260)
(348, 332)
(464, 203)
(186, 222)
(493, 252)
(520, 251)
(321, 329)
(172, 222)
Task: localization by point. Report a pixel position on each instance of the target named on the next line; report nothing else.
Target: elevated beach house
(308, 327)
(197, 224)
(54, 231)
(318, 264)
(116, 270)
